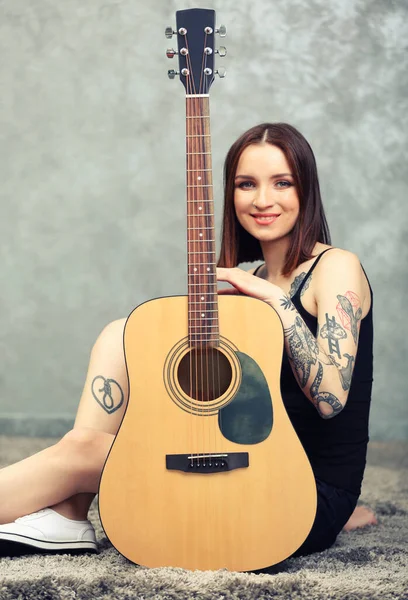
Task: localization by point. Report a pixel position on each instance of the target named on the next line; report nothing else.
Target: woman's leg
(66, 475)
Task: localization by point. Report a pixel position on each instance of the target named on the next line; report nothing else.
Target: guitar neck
(203, 329)
(195, 39)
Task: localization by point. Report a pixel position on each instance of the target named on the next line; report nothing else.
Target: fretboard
(201, 258)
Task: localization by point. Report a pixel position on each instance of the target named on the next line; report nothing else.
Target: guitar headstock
(195, 41)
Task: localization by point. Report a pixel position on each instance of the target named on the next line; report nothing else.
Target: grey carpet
(369, 564)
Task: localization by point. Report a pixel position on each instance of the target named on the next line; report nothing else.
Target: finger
(229, 292)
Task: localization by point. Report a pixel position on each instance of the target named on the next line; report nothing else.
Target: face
(265, 197)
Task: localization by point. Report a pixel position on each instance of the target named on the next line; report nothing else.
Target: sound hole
(204, 374)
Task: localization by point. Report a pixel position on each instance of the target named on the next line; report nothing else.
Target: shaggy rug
(368, 564)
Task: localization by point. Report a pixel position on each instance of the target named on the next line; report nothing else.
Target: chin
(267, 236)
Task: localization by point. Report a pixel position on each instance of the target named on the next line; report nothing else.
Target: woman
(273, 212)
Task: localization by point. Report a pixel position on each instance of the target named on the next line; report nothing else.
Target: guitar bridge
(207, 463)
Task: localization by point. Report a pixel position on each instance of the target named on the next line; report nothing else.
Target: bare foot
(361, 517)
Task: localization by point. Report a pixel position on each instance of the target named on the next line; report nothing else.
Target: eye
(245, 185)
(286, 184)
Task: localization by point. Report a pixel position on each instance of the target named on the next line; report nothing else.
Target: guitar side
(242, 519)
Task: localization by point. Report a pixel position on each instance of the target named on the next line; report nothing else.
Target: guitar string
(200, 201)
(197, 128)
(206, 244)
(192, 217)
(210, 350)
(189, 91)
(205, 144)
(205, 129)
(215, 350)
(190, 142)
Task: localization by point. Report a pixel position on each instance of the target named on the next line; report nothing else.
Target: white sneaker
(48, 530)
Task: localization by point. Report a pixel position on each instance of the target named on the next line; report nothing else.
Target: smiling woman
(273, 212)
(288, 164)
(262, 197)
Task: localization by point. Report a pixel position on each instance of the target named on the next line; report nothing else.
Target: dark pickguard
(248, 418)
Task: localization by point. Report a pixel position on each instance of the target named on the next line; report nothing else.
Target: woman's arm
(323, 366)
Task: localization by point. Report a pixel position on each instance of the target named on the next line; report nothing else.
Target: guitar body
(242, 515)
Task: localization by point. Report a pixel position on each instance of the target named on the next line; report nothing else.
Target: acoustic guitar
(206, 470)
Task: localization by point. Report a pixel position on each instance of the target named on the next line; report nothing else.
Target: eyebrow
(273, 176)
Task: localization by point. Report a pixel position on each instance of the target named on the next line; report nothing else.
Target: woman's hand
(248, 284)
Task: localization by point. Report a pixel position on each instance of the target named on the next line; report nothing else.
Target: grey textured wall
(92, 170)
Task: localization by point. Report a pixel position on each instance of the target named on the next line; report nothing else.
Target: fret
(206, 333)
(198, 117)
(203, 284)
(200, 341)
(198, 135)
(200, 311)
(201, 252)
(205, 200)
(201, 185)
(199, 228)
(202, 319)
(200, 326)
(198, 170)
(206, 263)
(205, 301)
(198, 152)
(197, 95)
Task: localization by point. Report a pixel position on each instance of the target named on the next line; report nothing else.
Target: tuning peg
(168, 32)
(170, 53)
(222, 51)
(172, 73)
(221, 72)
(222, 30)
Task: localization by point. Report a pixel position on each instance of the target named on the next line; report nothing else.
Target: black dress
(336, 447)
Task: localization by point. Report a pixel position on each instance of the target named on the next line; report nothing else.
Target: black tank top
(336, 447)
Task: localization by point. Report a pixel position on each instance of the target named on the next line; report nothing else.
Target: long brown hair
(237, 244)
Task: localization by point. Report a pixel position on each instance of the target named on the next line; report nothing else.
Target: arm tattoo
(107, 393)
(303, 349)
(333, 335)
(346, 373)
(326, 397)
(349, 318)
(296, 283)
(333, 332)
(287, 303)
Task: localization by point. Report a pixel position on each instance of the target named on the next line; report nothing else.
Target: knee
(86, 441)
(110, 339)
(88, 449)
(80, 438)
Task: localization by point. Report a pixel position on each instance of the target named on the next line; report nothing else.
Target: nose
(263, 198)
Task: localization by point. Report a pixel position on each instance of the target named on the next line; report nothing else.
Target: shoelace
(39, 512)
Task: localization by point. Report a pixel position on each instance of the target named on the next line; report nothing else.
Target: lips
(265, 219)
